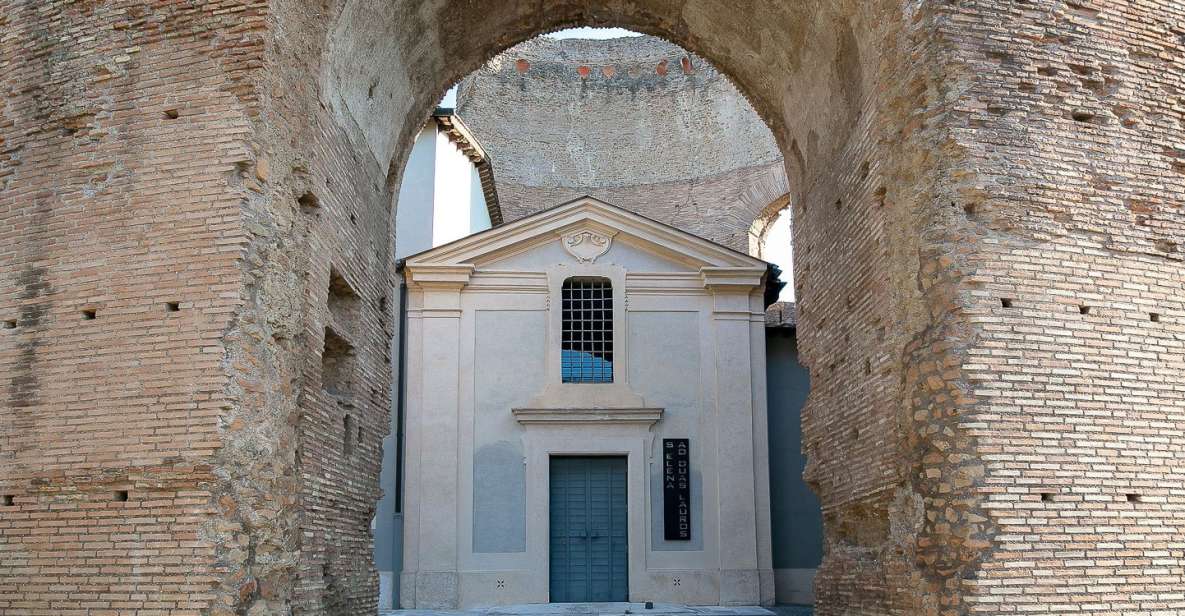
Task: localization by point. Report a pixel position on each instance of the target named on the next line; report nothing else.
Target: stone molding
(732, 279)
(439, 276)
(619, 416)
(574, 217)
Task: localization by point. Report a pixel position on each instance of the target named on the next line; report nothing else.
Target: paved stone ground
(793, 610)
(610, 609)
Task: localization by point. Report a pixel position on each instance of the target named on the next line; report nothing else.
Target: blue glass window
(587, 349)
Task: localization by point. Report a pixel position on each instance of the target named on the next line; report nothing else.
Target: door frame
(544, 440)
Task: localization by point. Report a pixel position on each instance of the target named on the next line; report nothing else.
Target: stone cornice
(583, 213)
(621, 416)
(732, 279)
(439, 276)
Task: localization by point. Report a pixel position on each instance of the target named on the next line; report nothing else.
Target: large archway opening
(809, 73)
(645, 125)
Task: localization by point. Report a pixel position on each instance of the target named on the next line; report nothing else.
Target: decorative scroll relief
(586, 245)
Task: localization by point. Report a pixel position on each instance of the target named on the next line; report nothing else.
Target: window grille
(587, 348)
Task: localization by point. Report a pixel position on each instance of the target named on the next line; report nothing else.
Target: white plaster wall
(417, 200)
(479, 213)
(455, 194)
(440, 196)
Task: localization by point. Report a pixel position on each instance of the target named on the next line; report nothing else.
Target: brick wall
(636, 121)
(172, 217)
(1074, 380)
(696, 205)
(124, 150)
(1001, 434)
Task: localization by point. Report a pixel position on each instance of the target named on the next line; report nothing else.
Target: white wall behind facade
(417, 200)
(440, 198)
(458, 194)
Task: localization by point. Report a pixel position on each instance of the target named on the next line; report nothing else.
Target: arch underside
(966, 178)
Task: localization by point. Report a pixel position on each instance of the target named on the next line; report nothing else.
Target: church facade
(585, 416)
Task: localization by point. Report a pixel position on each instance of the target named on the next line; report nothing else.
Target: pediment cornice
(585, 227)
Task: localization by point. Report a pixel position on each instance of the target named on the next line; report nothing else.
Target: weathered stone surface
(988, 223)
(684, 147)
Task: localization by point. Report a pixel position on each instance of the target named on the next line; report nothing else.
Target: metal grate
(587, 350)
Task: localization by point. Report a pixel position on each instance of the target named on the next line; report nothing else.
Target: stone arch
(806, 77)
(762, 222)
(817, 46)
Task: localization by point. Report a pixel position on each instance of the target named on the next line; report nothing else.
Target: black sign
(676, 489)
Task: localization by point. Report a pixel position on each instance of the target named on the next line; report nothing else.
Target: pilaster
(732, 313)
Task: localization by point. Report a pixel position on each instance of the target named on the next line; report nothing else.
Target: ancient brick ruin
(654, 129)
(195, 206)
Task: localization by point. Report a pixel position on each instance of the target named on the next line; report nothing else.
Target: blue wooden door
(589, 546)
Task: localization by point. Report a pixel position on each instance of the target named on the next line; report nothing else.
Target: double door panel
(588, 542)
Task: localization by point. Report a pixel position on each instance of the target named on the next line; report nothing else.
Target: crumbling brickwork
(166, 445)
(988, 205)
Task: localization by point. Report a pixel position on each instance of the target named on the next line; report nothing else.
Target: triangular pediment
(585, 228)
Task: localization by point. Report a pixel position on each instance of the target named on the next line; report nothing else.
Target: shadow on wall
(796, 518)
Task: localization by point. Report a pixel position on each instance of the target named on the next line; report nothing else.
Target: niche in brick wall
(337, 364)
(349, 436)
(337, 358)
(343, 303)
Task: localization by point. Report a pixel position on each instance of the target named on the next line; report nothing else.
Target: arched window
(586, 354)
(770, 240)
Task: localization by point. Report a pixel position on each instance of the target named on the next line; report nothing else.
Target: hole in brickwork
(1084, 309)
(342, 302)
(337, 364)
(860, 525)
(1154, 317)
(1082, 115)
(1006, 302)
(172, 306)
(1133, 498)
(349, 438)
(172, 114)
(9, 500)
(10, 324)
(867, 366)
(353, 219)
(308, 202)
(89, 315)
(120, 496)
(1047, 497)
(839, 204)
